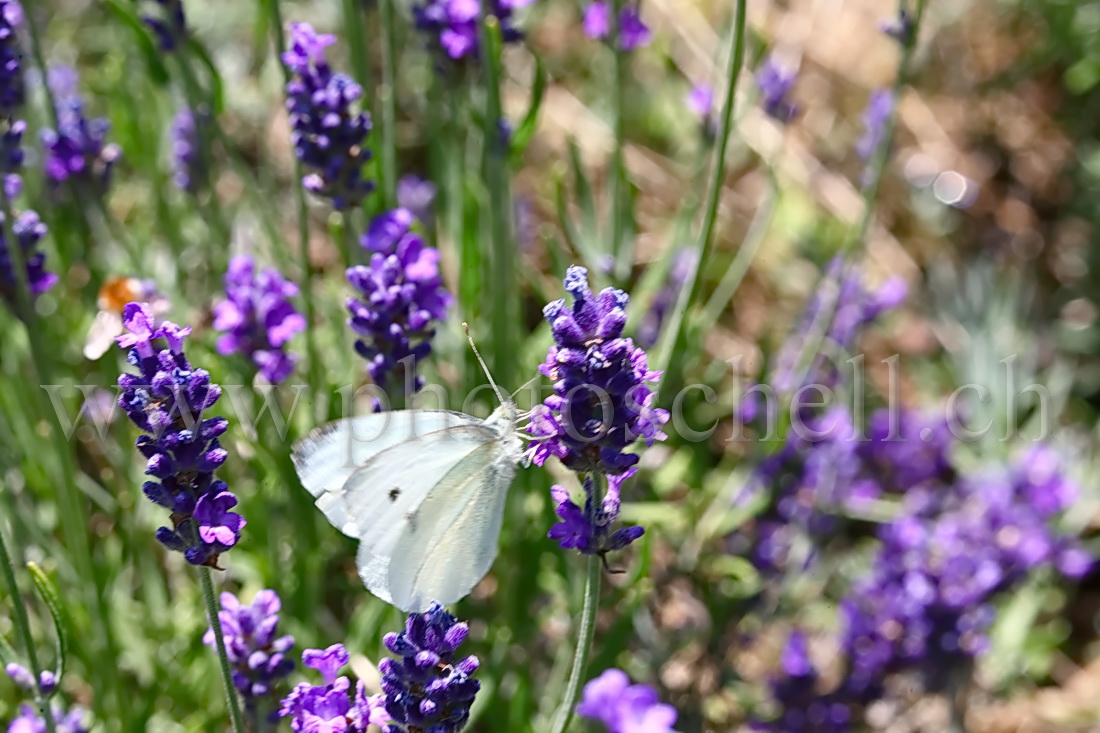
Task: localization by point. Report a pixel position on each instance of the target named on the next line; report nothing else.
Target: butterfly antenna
(484, 368)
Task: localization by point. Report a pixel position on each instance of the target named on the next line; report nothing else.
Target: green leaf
(7, 652)
(153, 59)
(526, 129)
(46, 589)
(217, 91)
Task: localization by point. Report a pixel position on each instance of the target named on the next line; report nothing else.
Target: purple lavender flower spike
(633, 33)
(451, 25)
(169, 24)
(168, 400)
(77, 153)
(329, 136)
(12, 86)
(257, 654)
(188, 166)
(258, 318)
(775, 84)
(650, 328)
(401, 298)
(900, 28)
(875, 118)
(28, 230)
(602, 402)
(429, 688)
(623, 707)
(30, 721)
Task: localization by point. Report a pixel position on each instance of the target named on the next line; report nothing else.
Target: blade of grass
(673, 341)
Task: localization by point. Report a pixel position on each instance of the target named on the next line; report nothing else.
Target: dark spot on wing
(394, 493)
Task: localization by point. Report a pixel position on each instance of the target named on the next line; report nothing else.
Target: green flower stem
(824, 321)
(617, 174)
(674, 337)
(351, 241)
(23, 628)
(40, 62)
(315, 370)
(387, 98)
(505, 305)
(212, 608)
(585, 633)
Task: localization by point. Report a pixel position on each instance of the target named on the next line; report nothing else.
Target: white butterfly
(422, 490)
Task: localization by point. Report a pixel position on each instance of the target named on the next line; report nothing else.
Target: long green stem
(675, 334)
(315, 371)
(585, 633)
(212, 609)
(23, 628)
(40, 61)
(495, 170)
(617, 173)
(387, 98)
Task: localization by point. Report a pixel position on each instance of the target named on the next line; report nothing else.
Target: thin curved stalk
(23, 628)
(212, 609)
(586, 631)
(674, 336)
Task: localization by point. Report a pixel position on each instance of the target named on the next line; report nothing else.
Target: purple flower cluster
(328, 134)
(848, 304)
(259, 318)
(27, 229)
(927, 604)
(24, 680)
(623, 707)
(188, 166)
(256, 653)
(649, 330)
(451, 25)
(633, 33)
(900, 28)
(429, 688)
(588, 530)
(167, 399)
(77, 152)
(327, 708)
(803, 708)
(775, 84)
(602, 403)
(401, 297)
(29, 721)
(12, 86)
(879, 108)
(169, 25)
(416, 195)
